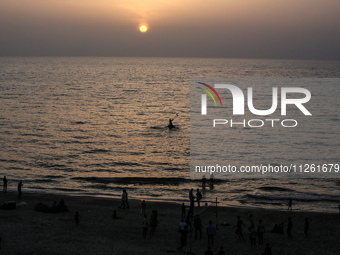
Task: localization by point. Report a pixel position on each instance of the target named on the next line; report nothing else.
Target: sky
(286, 29)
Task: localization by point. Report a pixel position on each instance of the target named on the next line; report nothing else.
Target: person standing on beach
(182, 225)
(290, 205)
(260, 232)
(191, 197)
(198, 226)
(184, 238)
(145, 226)
(252, 236)
(5, 184)
(19, 189)
(289, 228)
(251, 221)
(210, 233)
(198, 197)
(306, 228)
(204, 182)
(239, 225)
(192, 202)
(188, 222)
(125, 203)
(211, 181)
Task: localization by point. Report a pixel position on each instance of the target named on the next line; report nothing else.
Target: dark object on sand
(114, 216)
(278, 228)
(10, 205)
(60, 208)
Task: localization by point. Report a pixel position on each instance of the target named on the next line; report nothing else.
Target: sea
(97, 125)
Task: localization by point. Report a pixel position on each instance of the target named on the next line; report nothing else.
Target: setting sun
(143, 28)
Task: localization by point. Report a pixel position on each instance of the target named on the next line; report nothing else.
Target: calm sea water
(98, 125)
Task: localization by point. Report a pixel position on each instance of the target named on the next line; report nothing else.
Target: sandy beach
(27, 231)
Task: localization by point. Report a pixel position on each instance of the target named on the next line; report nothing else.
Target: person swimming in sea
(170, 123)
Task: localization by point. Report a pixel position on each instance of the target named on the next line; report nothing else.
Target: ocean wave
(97, 151)
(134, 180)
(302, 198)
(273, 188)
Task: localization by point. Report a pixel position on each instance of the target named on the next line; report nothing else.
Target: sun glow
(143, 28)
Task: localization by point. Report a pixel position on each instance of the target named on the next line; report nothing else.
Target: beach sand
(26, 231)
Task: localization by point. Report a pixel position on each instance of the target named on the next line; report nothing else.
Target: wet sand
(26, 231)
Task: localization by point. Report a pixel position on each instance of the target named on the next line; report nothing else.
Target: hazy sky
(303, 29)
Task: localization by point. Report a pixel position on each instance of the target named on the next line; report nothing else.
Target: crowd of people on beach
(191, 222)
(189, 219)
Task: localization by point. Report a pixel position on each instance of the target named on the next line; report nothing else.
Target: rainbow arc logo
(210, 94)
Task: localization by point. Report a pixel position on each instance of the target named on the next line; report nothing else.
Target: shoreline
(114, 196)
(26, 231)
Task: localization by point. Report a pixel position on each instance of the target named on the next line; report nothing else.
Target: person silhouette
(239, 225)
(145, 226)
(198, 197)
(290, 205)
(306, 228)
(183, 238)
(210, 233)
(5, 184)
(182, 225)
(252, 236)
(211, 181)
(260, 231)
(125, 203)
(19, 189)
(198, 226)
(204, 181)
(171, 125)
